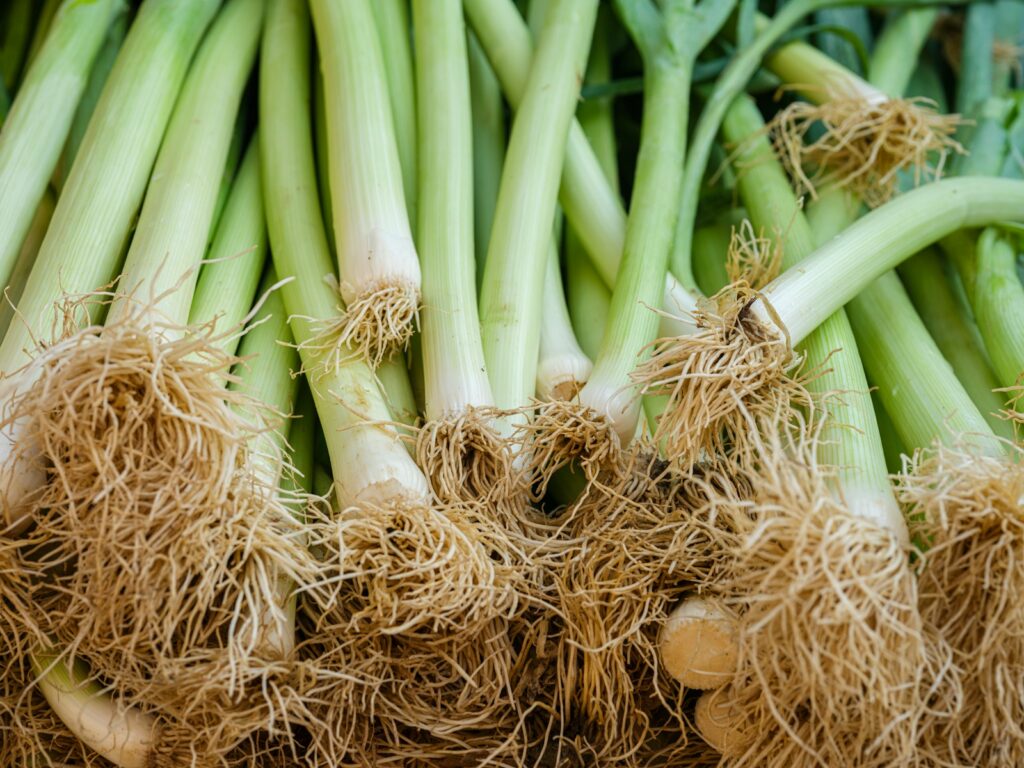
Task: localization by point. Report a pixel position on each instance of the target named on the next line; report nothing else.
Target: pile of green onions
(511, 382)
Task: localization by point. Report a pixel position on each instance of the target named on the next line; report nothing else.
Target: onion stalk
(378, 267)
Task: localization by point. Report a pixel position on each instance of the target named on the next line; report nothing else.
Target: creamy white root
(698, 645)
(716, 720)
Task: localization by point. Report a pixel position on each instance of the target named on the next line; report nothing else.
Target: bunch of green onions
(482, 382)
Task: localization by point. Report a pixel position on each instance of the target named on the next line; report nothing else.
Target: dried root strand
(563, 433)
(159, 536)
(865, 145)
(376, 324)
(753, 257)
(467, 461)
(734, 372)
(970, 511)
(834, 657)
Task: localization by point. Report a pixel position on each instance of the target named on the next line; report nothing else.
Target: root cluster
(864, 145)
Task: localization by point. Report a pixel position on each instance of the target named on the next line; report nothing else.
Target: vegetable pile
(511, 383)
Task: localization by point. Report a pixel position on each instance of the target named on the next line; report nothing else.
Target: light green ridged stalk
(455, 375)
(916, 385)
(562, 365)
(36, 127)
(85, 239)
(851, 441)
(228, 281)
(42, 28)
(588, 295)
(669, 43)
(489, 139)
(127, 737)
(592, 206)
(240, 140)
(392, 19)
(998, 302)
(98, 75)
(162, 266)
(975, 78)
(710, 248)
(890, 67)
(845, 265)
(514, 272)
(375, 247)
(926, 277)
(26, 259)
(368, 460)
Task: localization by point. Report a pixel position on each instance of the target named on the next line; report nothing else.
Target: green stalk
(98, 75)
(126, 737)
(851, 444)
(960, 247)
(591, 204)
(240, 140)
(88, 230)
(998, 302)
(14, 40)
(669, 44)
(323, 173)
(974, 84)
(26, 259)
(228, 281)
(925, 276)
(42, 29)
(710, 247)
(392, 20)
(915, 383)
(375, 248)
(987, 139)
(857, 21)
(162, 266)
(891, 442)
(455, 374)
(368, 460)
(514, 272)
(845, 265)
(34, 131)
(891, 68)
(589, 298)
(489, 139)
(727, 87)
(587, 294)
(562, 365)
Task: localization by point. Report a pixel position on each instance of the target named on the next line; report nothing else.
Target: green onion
(125, 736)
(998, 302)
(514, 271)
(88, 230)
(229, 279)
(592, 206)
(42, 28)
(34, 132)
(161, 269)
(392, 20)
(378, 268)
(562, 366)
(926, 277)
(26, 258)
(369, 462)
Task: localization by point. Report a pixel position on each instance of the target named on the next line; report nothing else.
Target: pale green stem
(162, 266)
(998, 301)
(26, 258)
(228, 281)
(851, 443)
(36, 127)
(392, 20)
(369, 462)
(514, 273)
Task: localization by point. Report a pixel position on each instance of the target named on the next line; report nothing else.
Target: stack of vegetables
(511, 383)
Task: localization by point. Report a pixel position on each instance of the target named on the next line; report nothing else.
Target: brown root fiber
(377, 323)
(630, 557)
(834, 658)
(733, 372)
(467, 461)
(969, 510)
(562, 433)
(865, 145)
(158, 538)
